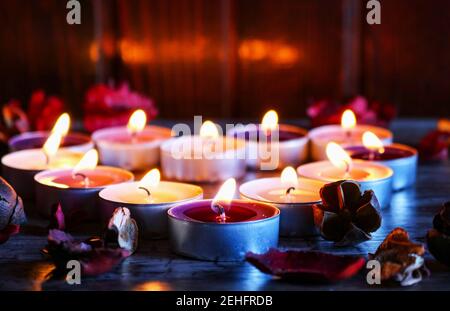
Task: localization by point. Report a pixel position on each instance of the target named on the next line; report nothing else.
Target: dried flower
(107, 106)
(346, 216)
(12, 214)
(438, 239)
(401, 260)
(324, 112)
(94, 255)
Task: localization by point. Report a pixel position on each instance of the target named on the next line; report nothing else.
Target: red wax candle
(35, 140)
(236, 211)
(390, 153)
(284, 134)
(88, 178)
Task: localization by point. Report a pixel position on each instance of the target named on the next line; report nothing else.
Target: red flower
(434, 146)
(106, 106)
(43, 111)
(324, 112)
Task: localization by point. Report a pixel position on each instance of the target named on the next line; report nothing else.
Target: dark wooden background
(231, 58)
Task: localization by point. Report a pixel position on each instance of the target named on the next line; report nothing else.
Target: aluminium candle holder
(133, 156)
(320, 136)
(212, 241)
(370, 176)
(73, 141)
(151, 217)
(77, 203)
(221, 166)
(296, 218)
(290, 152)
(404, 167)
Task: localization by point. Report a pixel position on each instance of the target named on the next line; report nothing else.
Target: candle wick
(347, 169)
(133, 137)
(221, 218)
(288, 191)
(348, 133)
(372, 155)
(146, 190)
(85, 178)
(47, 159)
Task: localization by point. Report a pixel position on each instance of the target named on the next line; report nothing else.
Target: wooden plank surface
(155, 267)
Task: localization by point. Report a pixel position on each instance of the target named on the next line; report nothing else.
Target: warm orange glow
(52, 144)
(444, 125)
(135, 52)
(372, 142)
(62, 125)
(226, 191)
(289, 177)
(151, 180)
(348, 120)
(137, 122)
(88, 161)
(153, 286)
(265, 50)
(253, 50)
(285, 55)
(270, 121)
(209, 130)
(338, 157)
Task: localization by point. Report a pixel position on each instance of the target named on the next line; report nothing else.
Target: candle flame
(209, 130)
(52, 144)
(289, 177)
(88, 161)
(270, 121)
(62, 125)
(226, 192)
(137, 122)
(151, 180)
(338, 157)
(372, 142)
(348, 120)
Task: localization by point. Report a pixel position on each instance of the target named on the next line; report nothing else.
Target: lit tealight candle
(207, 157)
(134, 147)
(401, 159)
(293, 196)
(348, 133)
(73, 141)
(20, 167)
(271, 145)
(223, 229)
(76, 189)
(148, 201)
(371, 176)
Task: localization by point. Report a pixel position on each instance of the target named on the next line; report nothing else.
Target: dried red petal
(7, 232)
(307, 265)
(434, 146)
(57, 221)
